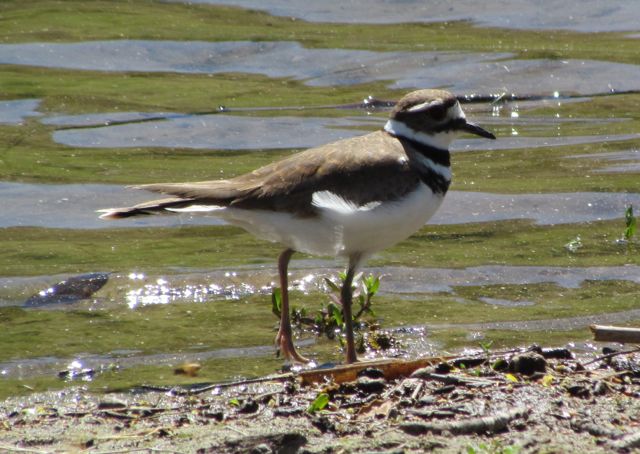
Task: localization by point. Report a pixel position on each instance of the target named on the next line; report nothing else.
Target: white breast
(341, 229)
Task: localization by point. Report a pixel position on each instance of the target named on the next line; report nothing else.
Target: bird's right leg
(284, 339)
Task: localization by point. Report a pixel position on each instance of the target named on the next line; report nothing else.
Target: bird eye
(437, 112)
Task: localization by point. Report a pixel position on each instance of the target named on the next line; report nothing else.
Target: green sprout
(329, 320)
(486, 347)
(276, 302)
(319, 403)
(630, 222)
(573, 245)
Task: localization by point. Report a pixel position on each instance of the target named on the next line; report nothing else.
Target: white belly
(341, 229)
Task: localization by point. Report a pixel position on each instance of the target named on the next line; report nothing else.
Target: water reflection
(162, 292)
(397, 281)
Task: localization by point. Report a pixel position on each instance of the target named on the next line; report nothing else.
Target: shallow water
(223, 132)
(166, 301)
(74, 206)
(590, 16)
(462, 72)
(141, 290)
(15, 112)
(232, 132)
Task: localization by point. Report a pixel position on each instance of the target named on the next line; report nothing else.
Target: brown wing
(346, 168)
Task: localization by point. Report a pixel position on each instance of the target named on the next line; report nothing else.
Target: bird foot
(284, 344)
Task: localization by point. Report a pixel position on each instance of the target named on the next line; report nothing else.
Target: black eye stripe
(437, 112)
(451, 125)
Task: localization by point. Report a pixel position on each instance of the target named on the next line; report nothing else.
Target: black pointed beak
(477, 130)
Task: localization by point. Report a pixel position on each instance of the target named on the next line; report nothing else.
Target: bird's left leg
(346, 295)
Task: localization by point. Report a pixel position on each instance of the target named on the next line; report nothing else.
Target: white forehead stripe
(455, 111)
(422, 106)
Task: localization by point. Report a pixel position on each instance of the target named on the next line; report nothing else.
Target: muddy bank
(527, 400)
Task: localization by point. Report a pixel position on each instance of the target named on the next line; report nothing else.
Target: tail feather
(146, 208)
(192, 197)
(219, 191)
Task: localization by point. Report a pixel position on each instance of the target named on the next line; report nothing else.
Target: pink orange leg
(284, 339)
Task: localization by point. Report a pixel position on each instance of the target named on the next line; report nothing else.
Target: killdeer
(347, 199)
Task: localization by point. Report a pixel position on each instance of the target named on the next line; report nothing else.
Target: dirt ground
(525, 401)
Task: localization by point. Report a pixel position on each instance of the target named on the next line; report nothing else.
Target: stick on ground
(485, 424)
(602, 333)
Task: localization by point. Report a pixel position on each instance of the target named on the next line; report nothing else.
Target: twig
(236, 430)
(122, 451)
(611, 355)
(251, 381)
(485, 424)
(594, 429)
(208, 387)
(115, 414)
(8, 448)
(391, 368)
(627, 442)
(451, 379)
(140, 434)
(417, 391)
(172, 451)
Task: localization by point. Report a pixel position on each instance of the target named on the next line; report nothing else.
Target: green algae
(75, 20)
(73, 92)
(32, 251)
(511, 243)
(542, 170)
(456, 339)
(149, 329)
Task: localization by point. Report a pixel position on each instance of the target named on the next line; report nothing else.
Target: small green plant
(276, 302)
(319, 403)
(573, 245)
(630, 222)
(486, 346)
(329, 320)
